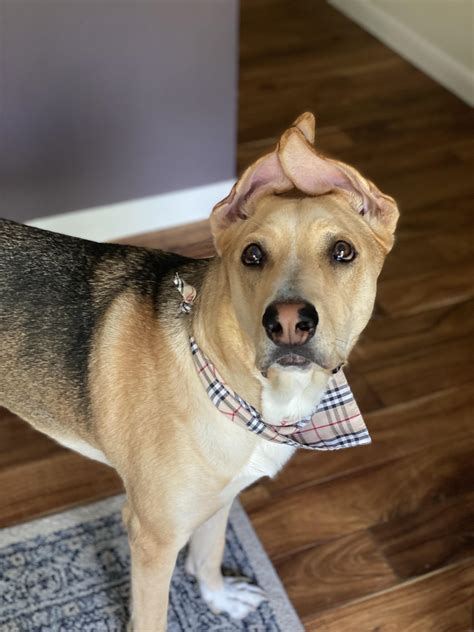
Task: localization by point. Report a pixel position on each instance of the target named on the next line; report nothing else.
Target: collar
(335, 423)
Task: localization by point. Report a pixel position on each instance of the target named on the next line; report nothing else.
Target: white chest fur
(288, 394)
(266, 460)
(291, 394)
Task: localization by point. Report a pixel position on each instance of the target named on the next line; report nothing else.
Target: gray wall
(107, 100)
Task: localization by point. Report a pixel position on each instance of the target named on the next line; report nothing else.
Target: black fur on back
(54, 290)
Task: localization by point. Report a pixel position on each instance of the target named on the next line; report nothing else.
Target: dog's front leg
(234, 595)
(153, 560)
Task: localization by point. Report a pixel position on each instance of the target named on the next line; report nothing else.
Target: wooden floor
(379, 538)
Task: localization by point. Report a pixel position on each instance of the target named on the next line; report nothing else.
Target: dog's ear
(316, 175)
(264, 176)
(306, 123)
(295, 164)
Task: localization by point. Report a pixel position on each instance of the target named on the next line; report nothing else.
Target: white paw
(237, 598)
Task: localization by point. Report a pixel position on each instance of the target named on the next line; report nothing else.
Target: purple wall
(106, 101)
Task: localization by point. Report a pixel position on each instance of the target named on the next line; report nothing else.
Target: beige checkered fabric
(335, 423)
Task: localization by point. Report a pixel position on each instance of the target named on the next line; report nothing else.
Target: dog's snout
(290, 323)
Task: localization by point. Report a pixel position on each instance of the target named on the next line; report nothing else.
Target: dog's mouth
(290, 357)
(294, 360)
(298, 358)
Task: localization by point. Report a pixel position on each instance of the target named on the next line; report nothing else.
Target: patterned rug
(70, 572)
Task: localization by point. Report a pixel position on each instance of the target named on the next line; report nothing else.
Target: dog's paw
(237, 598)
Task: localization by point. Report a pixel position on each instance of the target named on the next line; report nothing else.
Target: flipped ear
(316, 175)
(264, 176)
(295, 164)
(306, 123)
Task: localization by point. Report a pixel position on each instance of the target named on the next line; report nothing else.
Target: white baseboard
(106, 223)
(419, 51)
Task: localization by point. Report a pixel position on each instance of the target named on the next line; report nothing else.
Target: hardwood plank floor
(437, 601)
(382, 537)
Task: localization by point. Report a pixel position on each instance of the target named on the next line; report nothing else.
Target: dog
(95, 350)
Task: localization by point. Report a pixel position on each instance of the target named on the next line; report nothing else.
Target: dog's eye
(343, 251)
(253, 255)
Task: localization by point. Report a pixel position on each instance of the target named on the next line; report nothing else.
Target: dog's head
(303, 239)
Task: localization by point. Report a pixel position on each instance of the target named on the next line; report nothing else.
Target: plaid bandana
(336, 422)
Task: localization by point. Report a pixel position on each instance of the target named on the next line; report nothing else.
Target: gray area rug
(70, 572)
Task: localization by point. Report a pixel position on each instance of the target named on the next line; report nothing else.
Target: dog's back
(54, 289)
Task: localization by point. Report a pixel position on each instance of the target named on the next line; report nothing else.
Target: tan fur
(182, 462)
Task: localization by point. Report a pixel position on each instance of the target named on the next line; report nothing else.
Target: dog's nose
(290, 323)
